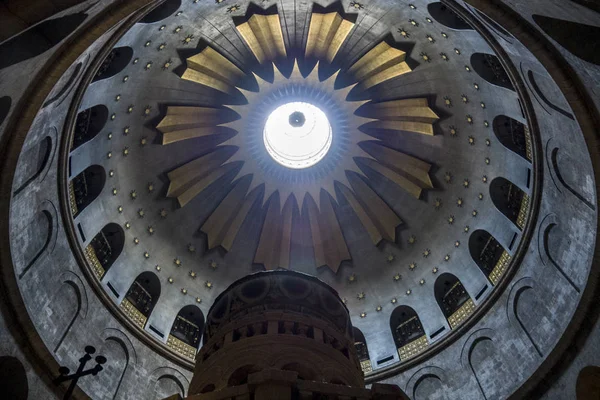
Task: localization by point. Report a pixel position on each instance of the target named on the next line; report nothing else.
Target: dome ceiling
(424, 189)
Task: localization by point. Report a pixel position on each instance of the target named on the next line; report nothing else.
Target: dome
(427, 160)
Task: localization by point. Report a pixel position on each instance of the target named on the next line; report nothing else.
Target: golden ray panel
(182, 123)
(408, 115)
(326, 34)
(254, 179)
(211, 69)
(223, 225)
(382, 63)
(275, 241)
(328, 240)
(263, 35)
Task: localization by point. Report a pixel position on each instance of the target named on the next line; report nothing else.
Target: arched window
(141, 298)
(453, 299)
(513, 135)
(5, 103)
(13, 379)
(88, 124)
(115, 62)
(489, 255)
(510, 200)
(588, 383)
(489, 68)
(161, 12)
(408, 332)
(580, 39)
(104, 248)
(240, 375)
(186, 331)
(86, 187)
(446, 17)
(360, 344)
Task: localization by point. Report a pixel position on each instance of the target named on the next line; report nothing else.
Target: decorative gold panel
(500, 268)
(528, 151)
(406, 171)
(209, 68)
(413, 348)
(224, 223)
(379, 220)
(91, 257)
(276, 237)
(182, 123)
(408, 115)
(192, 178)
(263, 35)
(72, 200)
(366, 366)
(133, 313)
(461, 314)
(383, 62)
(523, 211)
(326, 34)
(181, 347)
(328, 241)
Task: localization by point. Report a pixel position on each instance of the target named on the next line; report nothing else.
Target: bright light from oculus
(297, 135)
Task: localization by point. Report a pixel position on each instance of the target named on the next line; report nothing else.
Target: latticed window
(140, 298)
(102, 249)
(106, 64)
(408, 331)
(82, 126)
(186, 331)
(361, 351)
(454, 298)
(493, 63)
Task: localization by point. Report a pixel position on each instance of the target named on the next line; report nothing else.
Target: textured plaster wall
(490, 361)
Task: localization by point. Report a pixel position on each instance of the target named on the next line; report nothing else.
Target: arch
(33, 162)
(493, 24)
(587, 386)
(487, 253)
(508, 199)
(188, 326)
(426, 382)
(406, 327)
(304, 372)
(105, 248)
(164, 379)
(63, 309)
(452, 298)
(517, 288)
(13, 379)
(35, 240)
(143, 294)
(579, 39)
(208, 388)
(489, 68)
(512, 134)
(116, 352)
(447, 17)
(362, 350)
(86, 187)
(429, 386)
(88, 124)
(66, 86)
(5, 104)
(481, 355)
(161, 12)
(115, 62)
(240, 375)
(38, 39)
(168, 385)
